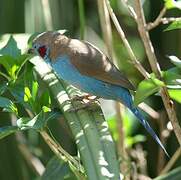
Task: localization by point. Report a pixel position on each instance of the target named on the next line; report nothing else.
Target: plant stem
(135, 61)
(172, 161)
(62, 154)
(168, 103)
(157, 20)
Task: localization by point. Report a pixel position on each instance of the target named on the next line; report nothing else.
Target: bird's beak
(31, 51)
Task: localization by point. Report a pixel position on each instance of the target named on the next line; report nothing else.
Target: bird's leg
(84, 98)
(87, 100)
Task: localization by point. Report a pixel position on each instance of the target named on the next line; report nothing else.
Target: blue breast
(66, 71)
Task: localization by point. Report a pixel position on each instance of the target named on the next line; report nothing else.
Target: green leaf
(38, 122)
(7, 130)
(175, 94)
(3, 87)
(8, 105)
(146, 88)
(172, 175)
(44, 99)
(11, 48)
(34, 90)
(172, 4)
(11, 58)
(9, 63)
(130, 141)
(175, 60)
(27, 95)
(172, 79)
(13, 65)
(174, 25)
(57, 169)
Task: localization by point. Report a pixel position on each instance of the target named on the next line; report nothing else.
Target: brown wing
(92, 62)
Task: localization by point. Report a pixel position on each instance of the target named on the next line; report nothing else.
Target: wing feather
(90, 61)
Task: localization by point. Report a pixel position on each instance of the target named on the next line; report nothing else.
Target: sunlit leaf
(174, 25)
(172, 4)
(146, 88)
(130, 141)
(34, 90)
(46, 109)
(7, 130)
(7, 61)
(175, 94)
(27, 94)
(172, 79)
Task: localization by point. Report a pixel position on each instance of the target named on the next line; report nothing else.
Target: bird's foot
(84, 98)
(87, 101)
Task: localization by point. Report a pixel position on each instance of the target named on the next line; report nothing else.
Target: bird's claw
(84, 98)
(86, 103)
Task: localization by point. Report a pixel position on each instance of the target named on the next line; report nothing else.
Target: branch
(168, 103)
(135, 61)
(172, 161)
(162, 20)
(157, 21)
(61, 153)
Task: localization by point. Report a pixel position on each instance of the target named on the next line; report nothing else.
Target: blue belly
(66, 71)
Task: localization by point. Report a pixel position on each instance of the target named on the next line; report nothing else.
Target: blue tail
(140, 117)
(126, 98)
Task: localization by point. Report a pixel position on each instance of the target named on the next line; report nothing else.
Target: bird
(87, 68)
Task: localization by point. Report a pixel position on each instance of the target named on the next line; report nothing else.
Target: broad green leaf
(175, 94)
(11, 48)
(8, 105)
(172, 79)
(13, 65)
(172, 4)
(38, 122)
(175, 60)
(146, 88)
(56, 169)
(11, 58)
(8, 62)
(172, 175)
(174, 25)
(7, 130)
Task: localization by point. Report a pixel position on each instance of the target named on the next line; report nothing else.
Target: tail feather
(140, 117)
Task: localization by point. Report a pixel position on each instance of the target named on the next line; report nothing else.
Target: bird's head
(42, 44)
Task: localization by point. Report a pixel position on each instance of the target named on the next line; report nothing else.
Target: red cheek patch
(42, 51)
